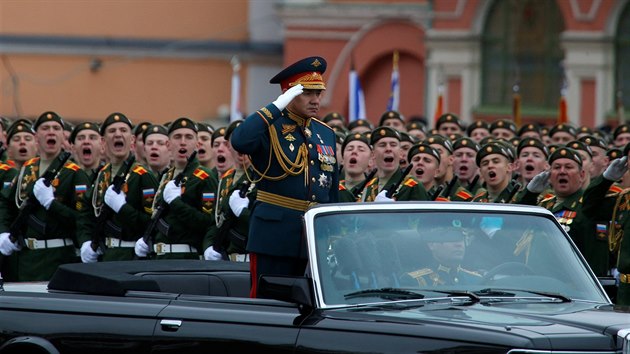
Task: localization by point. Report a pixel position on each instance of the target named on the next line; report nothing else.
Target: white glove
(87, 253)
(539, 182)
(616, 169)
(283, 100)
(211, 255)
(43, 193)
(141, 248)
(115, 200)
(615, 273)
(381, 197)
(6, 246)
(171, 191)
(237, 204)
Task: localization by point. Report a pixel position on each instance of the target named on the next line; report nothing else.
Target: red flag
(439, 107)
(563, 116)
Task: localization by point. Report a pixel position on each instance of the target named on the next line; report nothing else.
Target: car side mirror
(297, 290)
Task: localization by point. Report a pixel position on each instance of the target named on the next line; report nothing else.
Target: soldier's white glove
(539, 182)
(381, 197)
(115, 200)
(615, 273)
(87, 253)
(141, 248)
(211, 255)
(237, 204)
(6, 246)
(171, 191)
(43, 193)
(283, 100)
(616, 169)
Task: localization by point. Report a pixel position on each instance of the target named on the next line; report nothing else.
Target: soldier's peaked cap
(307, 72)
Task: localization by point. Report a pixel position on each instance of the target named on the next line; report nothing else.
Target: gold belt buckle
(160, 248)
(30, 243)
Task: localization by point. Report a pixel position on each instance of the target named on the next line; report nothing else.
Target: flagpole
(235, 109)
(516, 105)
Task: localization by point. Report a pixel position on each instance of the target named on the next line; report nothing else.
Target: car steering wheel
(507, 268)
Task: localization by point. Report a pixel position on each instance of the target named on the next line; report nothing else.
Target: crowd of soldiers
(180, 190)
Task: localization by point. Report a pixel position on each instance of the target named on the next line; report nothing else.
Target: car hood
(556, 324)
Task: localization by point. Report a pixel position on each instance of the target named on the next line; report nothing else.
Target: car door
(203, 324)
(78, 323)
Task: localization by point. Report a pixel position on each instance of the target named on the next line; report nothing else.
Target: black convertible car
(382, 278)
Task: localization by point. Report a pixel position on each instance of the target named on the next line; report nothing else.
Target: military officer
(22, 145)
(50, 231)
(495, 167)
(621, 136)
(130, 209)
(478, 130)
(356, 155)
(85, 141)
(448, 249)
(189, 215)
(449, 123)
(385, 143)
(465, 167)
(532, 157)
(232, 212)
(155, 139)
(293, 155)
(561, 134)
(599, 158)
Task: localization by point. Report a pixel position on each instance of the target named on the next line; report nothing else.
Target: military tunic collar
(302, 122)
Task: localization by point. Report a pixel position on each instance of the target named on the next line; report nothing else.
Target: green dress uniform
(122, 229)
(438, 274)
(236, 236)
(50, 235)
(7, 173)
(456, 194)
(506, 196)
(181, 228)
(409, 189)
(620, 245)
(598, 207)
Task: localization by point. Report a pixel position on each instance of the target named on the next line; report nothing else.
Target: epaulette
(441, 199)
(72, 166)
(139, 170)
(201, 174)
(227, 173)
(547, 199)
(31, 161)
(411, 182)
(105, 166)
(372, 181)
(420, 273)
(480, 193)
(548, 195)
(4, 167)
(322, 123)
(11, 163)
(342, 187)
(464, 194)
(613, 190)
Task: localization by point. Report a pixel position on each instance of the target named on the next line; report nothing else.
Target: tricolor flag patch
(81, 188)
(601, 228)
(207, 197)
(146, 193)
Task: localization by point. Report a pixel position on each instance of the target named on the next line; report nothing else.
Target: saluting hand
(43, 193)
(539, 182)
(283, 100)
(616, 169)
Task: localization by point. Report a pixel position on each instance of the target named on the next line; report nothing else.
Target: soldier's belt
(624, 278)
(285, 202)
(163, 248)
(35, 244)
(112, 242)
(237, 257)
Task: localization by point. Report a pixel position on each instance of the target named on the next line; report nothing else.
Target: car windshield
(373, 255)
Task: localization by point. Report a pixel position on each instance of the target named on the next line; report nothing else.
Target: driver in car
(448, 247)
